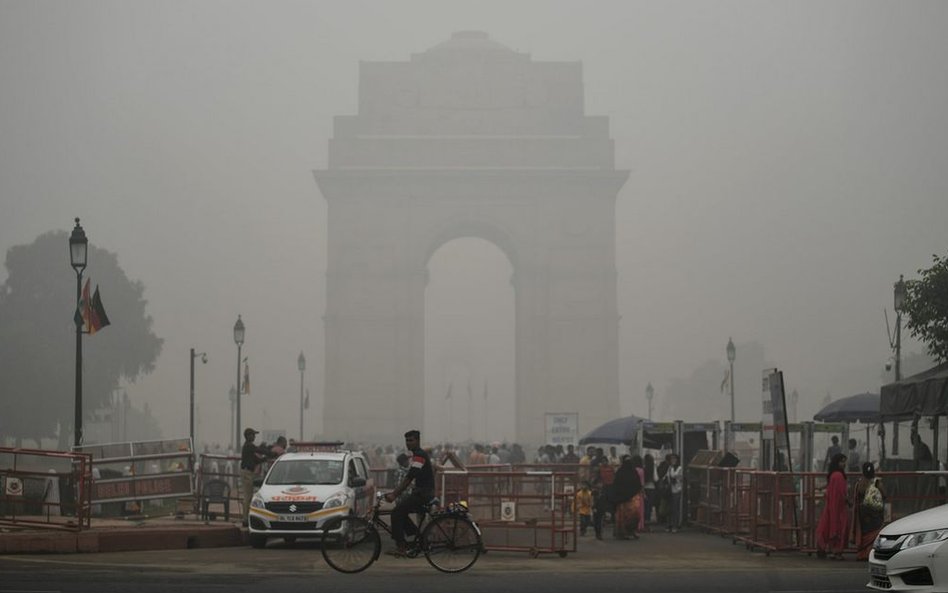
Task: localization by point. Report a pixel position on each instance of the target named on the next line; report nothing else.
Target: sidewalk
(118, 535)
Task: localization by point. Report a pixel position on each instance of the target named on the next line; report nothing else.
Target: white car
(911, 554)
(302, 491)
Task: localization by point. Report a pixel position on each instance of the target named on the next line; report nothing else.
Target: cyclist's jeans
(402, 524)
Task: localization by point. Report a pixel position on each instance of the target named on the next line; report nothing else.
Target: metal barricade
(781, 510)
(45, 489)
(527, 511)
(127, 474)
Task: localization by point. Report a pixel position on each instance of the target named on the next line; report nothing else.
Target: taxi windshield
(306, 471)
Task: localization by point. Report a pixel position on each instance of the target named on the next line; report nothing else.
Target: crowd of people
(631, 490)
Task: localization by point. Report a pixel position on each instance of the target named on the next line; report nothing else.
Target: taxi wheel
(258, 541)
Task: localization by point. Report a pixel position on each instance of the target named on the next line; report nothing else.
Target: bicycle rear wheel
(350, 544)
(452, 543)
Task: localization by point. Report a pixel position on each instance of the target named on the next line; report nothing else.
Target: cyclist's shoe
(398, 552)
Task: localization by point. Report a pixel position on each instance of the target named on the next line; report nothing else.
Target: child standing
(583, 505)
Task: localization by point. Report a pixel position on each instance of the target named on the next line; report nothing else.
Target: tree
(926, 305)
(37, 353)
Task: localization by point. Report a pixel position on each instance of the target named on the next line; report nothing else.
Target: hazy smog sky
(788, 161)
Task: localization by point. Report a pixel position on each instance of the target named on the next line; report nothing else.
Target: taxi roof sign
(315, 446)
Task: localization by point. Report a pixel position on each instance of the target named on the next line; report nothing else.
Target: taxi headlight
(257, 503)
(925, 537)
(336, 500)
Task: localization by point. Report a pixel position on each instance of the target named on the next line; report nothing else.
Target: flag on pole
(246, 377)
(727, 379)
(97, 317)
(306, 401)
(83, 308)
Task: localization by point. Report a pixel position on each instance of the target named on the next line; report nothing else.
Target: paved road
(658, 562)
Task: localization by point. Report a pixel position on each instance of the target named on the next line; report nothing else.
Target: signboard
(152, 470)
(508, 510)
(562, 429)
(141, 487)
(13, 486)
(656, 427)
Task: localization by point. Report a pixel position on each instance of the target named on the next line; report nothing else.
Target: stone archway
(470, 139)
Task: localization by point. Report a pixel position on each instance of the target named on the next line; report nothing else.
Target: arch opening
(470, 343)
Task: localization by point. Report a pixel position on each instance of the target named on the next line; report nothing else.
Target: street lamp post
(649, 394)
(78, 257)
(898, 302)
(194, 355)
(239, 340)
(899, 305)
(233, 408)
(301, 364)
(731, 355)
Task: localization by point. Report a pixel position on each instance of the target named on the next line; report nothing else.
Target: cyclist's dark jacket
(420, 471)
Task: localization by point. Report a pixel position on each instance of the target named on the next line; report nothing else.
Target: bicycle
(449, 538)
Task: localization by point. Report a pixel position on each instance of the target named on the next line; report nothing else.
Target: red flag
(97, 317)
(85, 304)
(246, 377)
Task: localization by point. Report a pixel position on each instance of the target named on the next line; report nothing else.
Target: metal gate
(45, 489)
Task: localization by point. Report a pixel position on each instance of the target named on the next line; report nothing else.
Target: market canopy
(925, 393)
(863, 407)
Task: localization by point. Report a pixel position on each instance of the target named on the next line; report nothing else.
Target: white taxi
(303, 490)
(911, 554)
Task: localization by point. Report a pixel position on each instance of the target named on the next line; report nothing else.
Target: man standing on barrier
(421, 473)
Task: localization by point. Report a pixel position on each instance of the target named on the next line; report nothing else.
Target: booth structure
(913, 398)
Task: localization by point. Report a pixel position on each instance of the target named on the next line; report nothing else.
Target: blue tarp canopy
(621, 431)
(863, 407)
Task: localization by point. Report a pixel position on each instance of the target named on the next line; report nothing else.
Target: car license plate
(877, 570)
(293, 518)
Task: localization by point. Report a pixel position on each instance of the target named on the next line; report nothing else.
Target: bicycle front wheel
(350, 544)
(452, 543)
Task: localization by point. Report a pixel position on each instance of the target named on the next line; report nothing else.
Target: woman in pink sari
(832, 532)
(637, 464)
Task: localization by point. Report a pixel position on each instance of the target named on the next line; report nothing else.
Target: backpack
(873, 497)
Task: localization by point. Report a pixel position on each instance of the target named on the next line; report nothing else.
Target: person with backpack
(868, 510)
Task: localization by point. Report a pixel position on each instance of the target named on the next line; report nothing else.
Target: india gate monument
(470, 139)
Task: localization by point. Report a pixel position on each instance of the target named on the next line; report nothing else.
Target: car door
(361, 489)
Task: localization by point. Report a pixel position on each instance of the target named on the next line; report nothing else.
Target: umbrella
(620, 431)
(863, 407)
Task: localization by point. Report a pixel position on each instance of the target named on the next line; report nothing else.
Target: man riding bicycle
(421, 473)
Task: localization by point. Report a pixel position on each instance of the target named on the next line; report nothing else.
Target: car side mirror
(357, 482)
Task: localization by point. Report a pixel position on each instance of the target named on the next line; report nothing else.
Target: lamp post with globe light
(898, 300)
(731, 355)
(233, 412)
(649, 394)
(78, 258)
(301, 365)
(194, 355)
(239, 340)
(898, 303)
